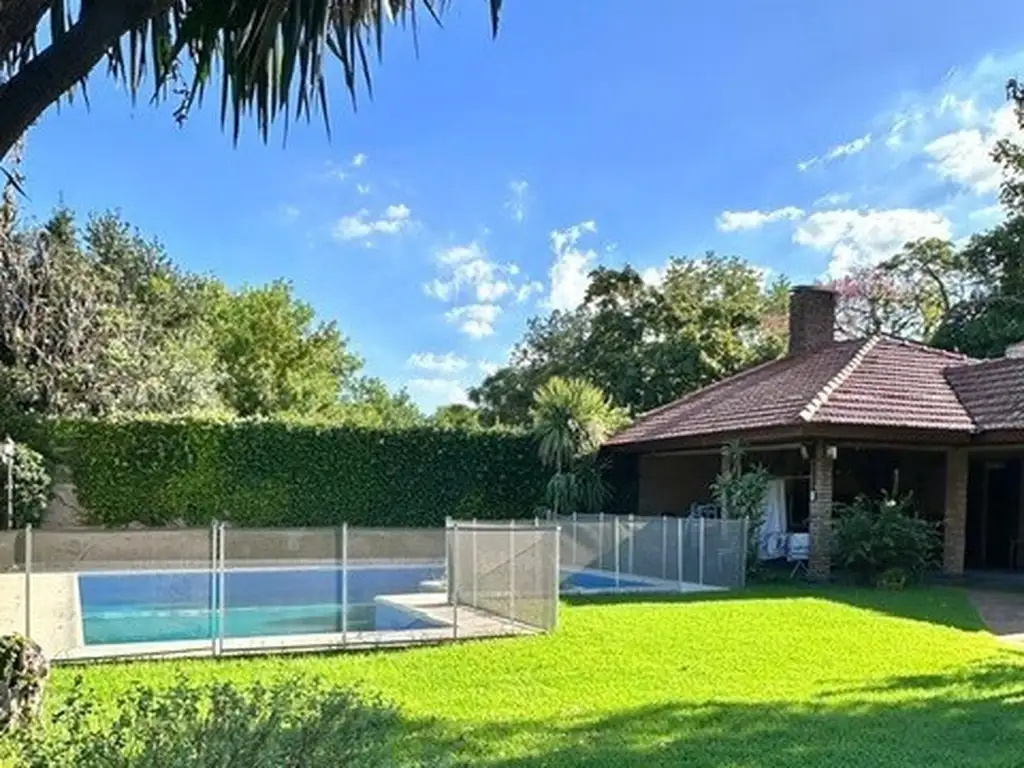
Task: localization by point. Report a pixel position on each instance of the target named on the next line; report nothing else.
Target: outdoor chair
(798, 552)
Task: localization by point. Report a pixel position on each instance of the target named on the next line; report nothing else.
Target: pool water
(601, 581)
(156, 607)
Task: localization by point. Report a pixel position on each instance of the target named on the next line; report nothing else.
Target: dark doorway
(993, 514)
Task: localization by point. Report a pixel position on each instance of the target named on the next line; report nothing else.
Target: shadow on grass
(972, 718)
(945, 606)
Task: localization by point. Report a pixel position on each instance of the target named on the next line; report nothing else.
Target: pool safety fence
(219, 590)
(692, 553)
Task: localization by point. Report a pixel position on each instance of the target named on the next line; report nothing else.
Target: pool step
(433, 585)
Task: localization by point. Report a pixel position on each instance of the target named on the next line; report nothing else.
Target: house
(835, 419)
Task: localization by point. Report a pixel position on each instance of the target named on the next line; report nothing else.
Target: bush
(262, 473)
(31, 486)
(291, 724)
(881, 542)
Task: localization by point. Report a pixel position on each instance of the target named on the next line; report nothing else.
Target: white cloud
(836, 152)
(492, 290)
(965, 156)
(654, 276)
(363, 189)
(865, 237)
(442, 290)
(469, 269)
(570, 274)
(361, 225)
(526, 290)
(832, 199)
(359, 160)
(446, 363)
(439, 391)
(489, 368)
(731, 221)
(474, 320)
(988, 213)
(963, 109)
(516, 203)
(462, 253)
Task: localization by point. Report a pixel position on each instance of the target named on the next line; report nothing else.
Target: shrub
(881, 542)
(295, 723)
(740, 492)
(31, 486)
(270, 473)
(24, 670)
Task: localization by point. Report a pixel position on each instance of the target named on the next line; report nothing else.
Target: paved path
(1002, 612)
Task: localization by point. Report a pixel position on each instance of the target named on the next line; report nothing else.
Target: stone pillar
(820, 523)
(955, 517)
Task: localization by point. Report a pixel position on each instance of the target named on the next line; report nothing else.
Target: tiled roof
(992, 392)
(878, 381)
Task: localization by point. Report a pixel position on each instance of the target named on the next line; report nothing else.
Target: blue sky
(486, 177)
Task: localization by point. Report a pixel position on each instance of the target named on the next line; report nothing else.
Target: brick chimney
(812, 318)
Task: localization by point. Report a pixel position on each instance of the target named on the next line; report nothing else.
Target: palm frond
(268, 57)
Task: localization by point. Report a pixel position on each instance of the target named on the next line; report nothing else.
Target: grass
(771, 677)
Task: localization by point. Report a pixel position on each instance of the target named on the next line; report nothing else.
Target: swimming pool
(597, 582)
(153, 606)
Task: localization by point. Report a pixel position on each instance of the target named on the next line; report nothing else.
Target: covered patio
(836, 419)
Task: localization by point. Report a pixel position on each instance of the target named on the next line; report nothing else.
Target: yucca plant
(571, 419)
(267, 59)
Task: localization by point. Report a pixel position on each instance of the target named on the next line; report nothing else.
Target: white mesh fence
(506, 570)
(654, 553)
(98, 593)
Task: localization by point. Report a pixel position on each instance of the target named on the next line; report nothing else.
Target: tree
(77, 333)
(275, 358)
(572, 418)
(908, 295)
(457, 416)
(30, 491)
(645, 345)
(266, 58)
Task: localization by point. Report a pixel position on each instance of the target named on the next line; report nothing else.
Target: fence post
(631, 522)
(746, 549)
(512, 570)
(553, 596)
(664, 547)
(222, 615)
(214, 600)
(615, 534)
(476, 602)
(454, 583)
(447, 552)
(700, 552)
(679, 550)
(600, 540)
(575, 536)
(28, 580)
(344, 583)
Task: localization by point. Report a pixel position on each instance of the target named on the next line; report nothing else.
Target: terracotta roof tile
(769, 395)
(879, 381)
(992, 391)
(899, 384)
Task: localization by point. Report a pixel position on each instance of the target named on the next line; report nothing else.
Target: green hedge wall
(278, 474)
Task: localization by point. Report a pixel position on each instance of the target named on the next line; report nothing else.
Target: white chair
(798, 552)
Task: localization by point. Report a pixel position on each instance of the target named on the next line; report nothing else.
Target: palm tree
(572, 418)
(265, 58)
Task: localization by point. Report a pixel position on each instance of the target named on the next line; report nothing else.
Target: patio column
(820, 523)
(955, 517)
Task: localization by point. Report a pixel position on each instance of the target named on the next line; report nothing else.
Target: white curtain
(773, 533)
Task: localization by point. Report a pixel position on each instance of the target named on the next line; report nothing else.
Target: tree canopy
(96, 320)
(267, 59)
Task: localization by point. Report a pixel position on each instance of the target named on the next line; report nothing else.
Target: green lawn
(772, 677)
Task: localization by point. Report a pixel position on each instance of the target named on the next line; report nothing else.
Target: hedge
(279, 474)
